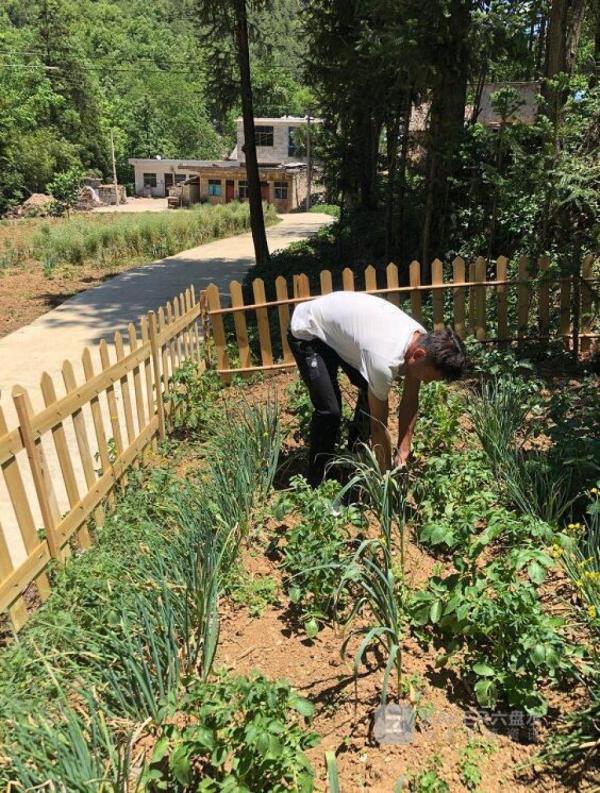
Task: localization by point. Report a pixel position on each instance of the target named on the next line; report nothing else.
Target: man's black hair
(446, 352)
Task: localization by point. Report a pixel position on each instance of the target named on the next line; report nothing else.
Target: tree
(564, 32)
(65, 188)
(230, 19)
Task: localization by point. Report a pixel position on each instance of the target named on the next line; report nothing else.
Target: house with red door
(283, 170)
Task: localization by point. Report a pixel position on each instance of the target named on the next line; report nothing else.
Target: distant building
(527, 111)
(283, 173)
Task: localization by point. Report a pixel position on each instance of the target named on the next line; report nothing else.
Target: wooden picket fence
(92, 435)
(539, 292)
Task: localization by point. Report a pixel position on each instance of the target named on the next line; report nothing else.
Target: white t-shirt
(367, 332)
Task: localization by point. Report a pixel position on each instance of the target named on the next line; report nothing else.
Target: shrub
(238, 734)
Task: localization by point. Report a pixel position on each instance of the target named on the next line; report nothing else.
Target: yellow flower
(594, 491)
(592, 612)
(556, 551)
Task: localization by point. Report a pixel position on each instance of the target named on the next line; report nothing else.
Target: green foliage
(73, 71)
(129, 616)
(373, 579)
(470, 772)
(538, 483)
(300, 406)
(453, 492)
(440, 408)
(193, 395)
(316, 549)
(253, 592)
(495, 619)
(65, 188)
(581, 561)
(239, 734)
(427, 781)
(113, 241)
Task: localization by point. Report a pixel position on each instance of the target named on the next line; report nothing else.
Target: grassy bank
(123, 238)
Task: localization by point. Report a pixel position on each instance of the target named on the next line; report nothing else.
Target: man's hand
(407, 417)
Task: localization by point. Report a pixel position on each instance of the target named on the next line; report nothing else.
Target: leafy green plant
(440, 408)
(427, 781)
(453, 493)
(193, 395)
(239, 734)
(316, 549)
(470, 771)
(494, 619)
(581, 561)
(254, 592)
(373, 578)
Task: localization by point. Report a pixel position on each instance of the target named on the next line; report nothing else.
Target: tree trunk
(392, 133)
(408, 100)
(448, 102)
(564, 32)
(257, 220)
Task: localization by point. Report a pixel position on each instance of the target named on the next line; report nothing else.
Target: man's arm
(380, 437)
(407, 417)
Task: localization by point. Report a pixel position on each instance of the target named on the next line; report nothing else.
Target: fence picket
(543, 296)
(156, 375)
(101, 440)
(239, 320)
(22, 509)
(172, 342)
(83, 445)
(218, 329)
(480, 299)
(113, 411)
(437, 296)
(458, 296)
(472, 299)
(162, 348)
(39, 472)
(348, 279)
(17, 611)
(147, 370)
(326, 282)
(137, 380)
(522, 297)
(415, 295)
(370, 279)
(586, 304)
(502, 302)
(565, 310)
(262, 318)
(194, 327)
(125, 393)
(392, 282)
(283, 311)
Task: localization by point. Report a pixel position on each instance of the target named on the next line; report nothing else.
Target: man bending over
(374, 343)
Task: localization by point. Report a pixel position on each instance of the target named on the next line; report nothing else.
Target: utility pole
(114, 167)
(309, 164)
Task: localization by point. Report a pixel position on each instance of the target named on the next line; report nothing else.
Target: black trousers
(319, 366)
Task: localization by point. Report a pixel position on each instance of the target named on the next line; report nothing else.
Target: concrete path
(83, 320)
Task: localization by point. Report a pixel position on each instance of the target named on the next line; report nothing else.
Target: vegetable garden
(231, 629)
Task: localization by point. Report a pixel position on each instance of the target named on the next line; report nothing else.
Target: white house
(282, 170)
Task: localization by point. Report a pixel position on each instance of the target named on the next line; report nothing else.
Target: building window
(242, 189)
(180, 177)
(264, 136)
(149, 180)
(292, 148)
(281, 190)
(214, 187)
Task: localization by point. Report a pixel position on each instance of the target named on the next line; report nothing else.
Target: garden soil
(274, 644)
